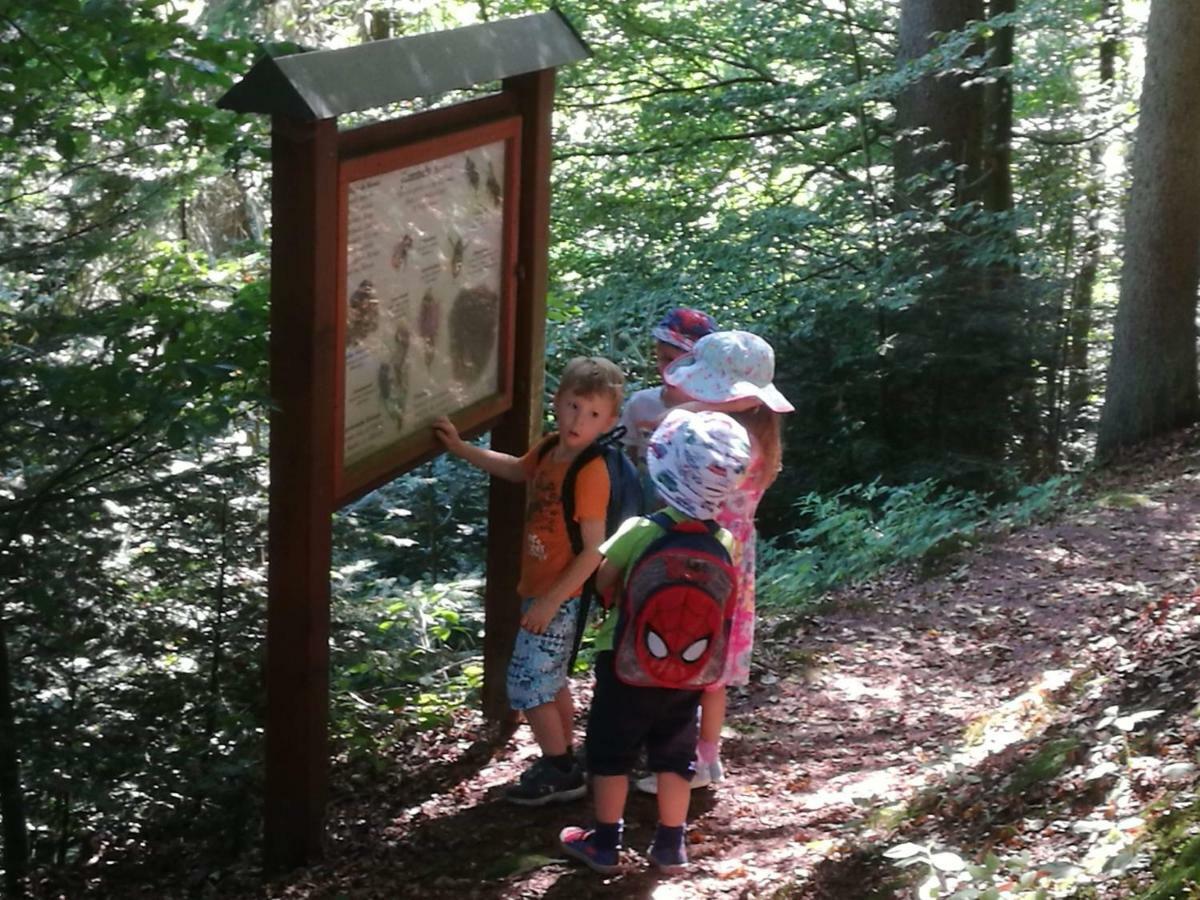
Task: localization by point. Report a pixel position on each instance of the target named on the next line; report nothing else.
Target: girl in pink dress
(732, 372)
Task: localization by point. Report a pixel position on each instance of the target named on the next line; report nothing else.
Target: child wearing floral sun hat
(674, 335)
(696, 459)
(733, 371)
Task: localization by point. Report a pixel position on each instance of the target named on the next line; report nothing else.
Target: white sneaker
(705, 776)
(716, 771)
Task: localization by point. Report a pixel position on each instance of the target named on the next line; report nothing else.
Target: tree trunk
(1079, 381)
(1152, 384)
(12, 798)
(998, 104)
(949, 381)
(939, 119)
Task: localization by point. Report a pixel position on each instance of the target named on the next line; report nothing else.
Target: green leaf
(64, 143)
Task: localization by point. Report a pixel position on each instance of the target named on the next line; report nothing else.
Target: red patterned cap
(682, 327)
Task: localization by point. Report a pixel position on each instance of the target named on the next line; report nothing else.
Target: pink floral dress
(737, 515)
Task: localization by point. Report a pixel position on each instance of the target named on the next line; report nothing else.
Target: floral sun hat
(697, 459)
(728, 365)
(682, 327)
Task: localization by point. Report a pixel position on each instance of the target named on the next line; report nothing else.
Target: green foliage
(111, 118)
(430, 523)
(864, 529)
(140, 610)
(1177, 859)
(861, 530)
(406, 645)
(402, 657)
(131, 500)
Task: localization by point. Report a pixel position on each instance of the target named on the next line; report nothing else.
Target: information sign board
(426, 285)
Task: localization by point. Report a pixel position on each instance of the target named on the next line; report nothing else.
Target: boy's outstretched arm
(566, 585)
(502, 465)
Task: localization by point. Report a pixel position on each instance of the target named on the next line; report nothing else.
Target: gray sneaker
(706, 776)
(543, 783)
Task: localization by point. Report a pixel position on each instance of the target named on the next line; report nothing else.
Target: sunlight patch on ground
(855, 786)
(671, 891)
(855, 688)
(1059, 556)
(1011, 721)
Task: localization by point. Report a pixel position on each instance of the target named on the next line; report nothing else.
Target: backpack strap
(614, 436)
(588, 593)
(663, 520)
(547, 445)
(582, 458)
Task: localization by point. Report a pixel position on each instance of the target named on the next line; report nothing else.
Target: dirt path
(908, 711)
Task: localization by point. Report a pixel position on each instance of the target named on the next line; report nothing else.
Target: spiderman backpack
(673, 630)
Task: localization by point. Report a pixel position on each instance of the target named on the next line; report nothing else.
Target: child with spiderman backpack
(565, 523)
(733, 372)
(674, 588)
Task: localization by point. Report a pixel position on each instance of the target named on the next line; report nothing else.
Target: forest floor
(1029, 711)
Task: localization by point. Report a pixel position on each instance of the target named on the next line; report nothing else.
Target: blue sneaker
(668, 859)
(580, 844)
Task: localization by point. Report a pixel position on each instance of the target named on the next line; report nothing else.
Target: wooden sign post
(408, 280)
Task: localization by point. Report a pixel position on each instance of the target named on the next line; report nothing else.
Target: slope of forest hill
(1025, 720)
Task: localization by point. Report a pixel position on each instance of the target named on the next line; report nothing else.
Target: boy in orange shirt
(585, 407)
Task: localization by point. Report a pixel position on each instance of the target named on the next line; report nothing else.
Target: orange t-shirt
(547, 547)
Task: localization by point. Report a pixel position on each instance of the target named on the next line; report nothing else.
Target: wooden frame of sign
(330, 190)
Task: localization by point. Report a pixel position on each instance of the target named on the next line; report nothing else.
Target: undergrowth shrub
(407, 604)
(402, 656)
(864, 529)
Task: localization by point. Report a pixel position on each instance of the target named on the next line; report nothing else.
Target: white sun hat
(728, 365)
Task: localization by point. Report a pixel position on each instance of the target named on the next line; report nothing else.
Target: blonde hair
(766, 440)
(591, 375)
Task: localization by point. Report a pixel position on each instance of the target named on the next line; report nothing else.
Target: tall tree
(12, 798)
(1079, 383)
(939, 117)
(1152, 384)
(948, 380)
(998, 105)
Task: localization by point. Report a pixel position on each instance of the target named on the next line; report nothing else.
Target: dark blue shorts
(623, 719)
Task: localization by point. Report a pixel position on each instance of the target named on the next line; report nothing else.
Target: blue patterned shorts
(538, 668)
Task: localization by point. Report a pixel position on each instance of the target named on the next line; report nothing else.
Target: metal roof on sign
(326, 83)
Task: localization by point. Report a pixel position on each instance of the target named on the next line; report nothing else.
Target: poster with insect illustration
(425, 282)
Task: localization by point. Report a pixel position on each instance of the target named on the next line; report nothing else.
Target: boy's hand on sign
(444, 431)
(537, 618)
